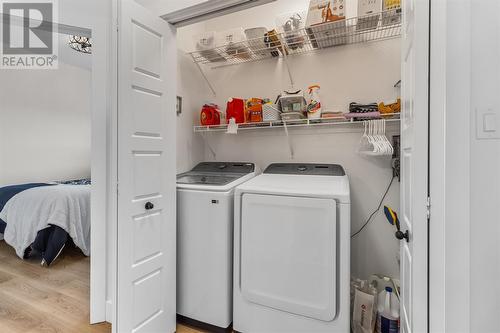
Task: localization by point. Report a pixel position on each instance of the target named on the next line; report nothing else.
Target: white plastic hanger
(374, 141)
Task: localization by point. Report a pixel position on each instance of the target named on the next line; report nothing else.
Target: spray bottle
(314, 103)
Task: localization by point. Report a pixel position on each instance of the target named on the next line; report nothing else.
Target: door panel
(147, 112)
(146, 172)
(288, 254)
(145, 38)
(414, 165)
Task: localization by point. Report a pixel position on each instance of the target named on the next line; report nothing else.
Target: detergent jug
(388, 312)
(210, 115)
(235, 109)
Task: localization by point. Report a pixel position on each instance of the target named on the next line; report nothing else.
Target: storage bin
(289, 116)
(292, 102)
(256, 38)
(205, 44)
(233, 42)
(291, 27)
(271, 112)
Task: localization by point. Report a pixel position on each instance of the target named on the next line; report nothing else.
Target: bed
(40, 219)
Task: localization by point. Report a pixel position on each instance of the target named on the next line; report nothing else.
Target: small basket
(270, 112)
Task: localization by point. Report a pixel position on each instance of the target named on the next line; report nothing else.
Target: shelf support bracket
(289, 140)
(204, 76)
(290, 76)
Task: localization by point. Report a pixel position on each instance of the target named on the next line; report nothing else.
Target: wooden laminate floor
(34, 299)
(38, 299)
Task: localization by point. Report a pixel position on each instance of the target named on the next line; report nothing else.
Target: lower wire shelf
(292, 124)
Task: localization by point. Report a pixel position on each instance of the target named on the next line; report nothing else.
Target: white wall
(465, 179)
(192, 89)
(45, 124)
(94, 15)
(484, 169)
(362, 73)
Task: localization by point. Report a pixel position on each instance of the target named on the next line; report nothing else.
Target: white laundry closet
(369, 60)
(363, 73)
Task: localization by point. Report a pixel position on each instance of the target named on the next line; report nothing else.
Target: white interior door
(146, 266)
(414, 166)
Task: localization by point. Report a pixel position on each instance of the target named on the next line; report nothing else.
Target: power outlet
(487, 124)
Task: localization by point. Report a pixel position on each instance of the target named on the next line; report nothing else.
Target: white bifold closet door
(146, 267)
(414, 166)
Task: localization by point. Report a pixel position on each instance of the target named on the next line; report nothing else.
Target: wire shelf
(373, 27)
(389, 117)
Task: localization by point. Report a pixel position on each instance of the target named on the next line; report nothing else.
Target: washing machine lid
(302, 180)
(216, 176)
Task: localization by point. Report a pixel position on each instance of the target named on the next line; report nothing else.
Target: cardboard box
(322, 11)
(325, 23)
(367, 7)
(368, 14)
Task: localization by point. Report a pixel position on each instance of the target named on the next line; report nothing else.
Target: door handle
(149, 205)
(403, 235)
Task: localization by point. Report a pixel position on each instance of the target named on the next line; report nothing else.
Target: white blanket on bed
(66, 206)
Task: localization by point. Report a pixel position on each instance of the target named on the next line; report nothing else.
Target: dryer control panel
(309, 169)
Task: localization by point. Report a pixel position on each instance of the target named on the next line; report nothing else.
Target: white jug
(388, 312)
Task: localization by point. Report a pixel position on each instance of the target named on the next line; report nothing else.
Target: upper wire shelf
(373, 27)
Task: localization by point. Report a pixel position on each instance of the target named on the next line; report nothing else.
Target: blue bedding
(50, 241)
(7, 192)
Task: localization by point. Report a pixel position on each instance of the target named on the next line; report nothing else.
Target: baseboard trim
(204, 326)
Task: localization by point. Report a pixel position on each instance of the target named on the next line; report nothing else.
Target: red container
(235, 109)
(210, 115)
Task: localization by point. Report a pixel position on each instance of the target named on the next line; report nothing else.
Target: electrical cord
(375, 211)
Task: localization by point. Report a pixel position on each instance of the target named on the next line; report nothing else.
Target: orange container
(253, 110)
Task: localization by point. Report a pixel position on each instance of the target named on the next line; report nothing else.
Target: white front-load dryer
(205, 197)
(292, 250)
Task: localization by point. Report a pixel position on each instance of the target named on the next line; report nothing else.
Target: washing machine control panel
(309, 169)
(225, 167)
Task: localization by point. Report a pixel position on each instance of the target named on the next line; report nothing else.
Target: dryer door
(288, 254)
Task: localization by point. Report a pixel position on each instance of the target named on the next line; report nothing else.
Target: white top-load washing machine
(292, 250)
(205, 197)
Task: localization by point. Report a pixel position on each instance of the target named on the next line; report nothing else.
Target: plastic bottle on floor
(388, 312)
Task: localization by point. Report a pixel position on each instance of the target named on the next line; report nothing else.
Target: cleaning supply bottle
(314, 103)
(388, 312)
